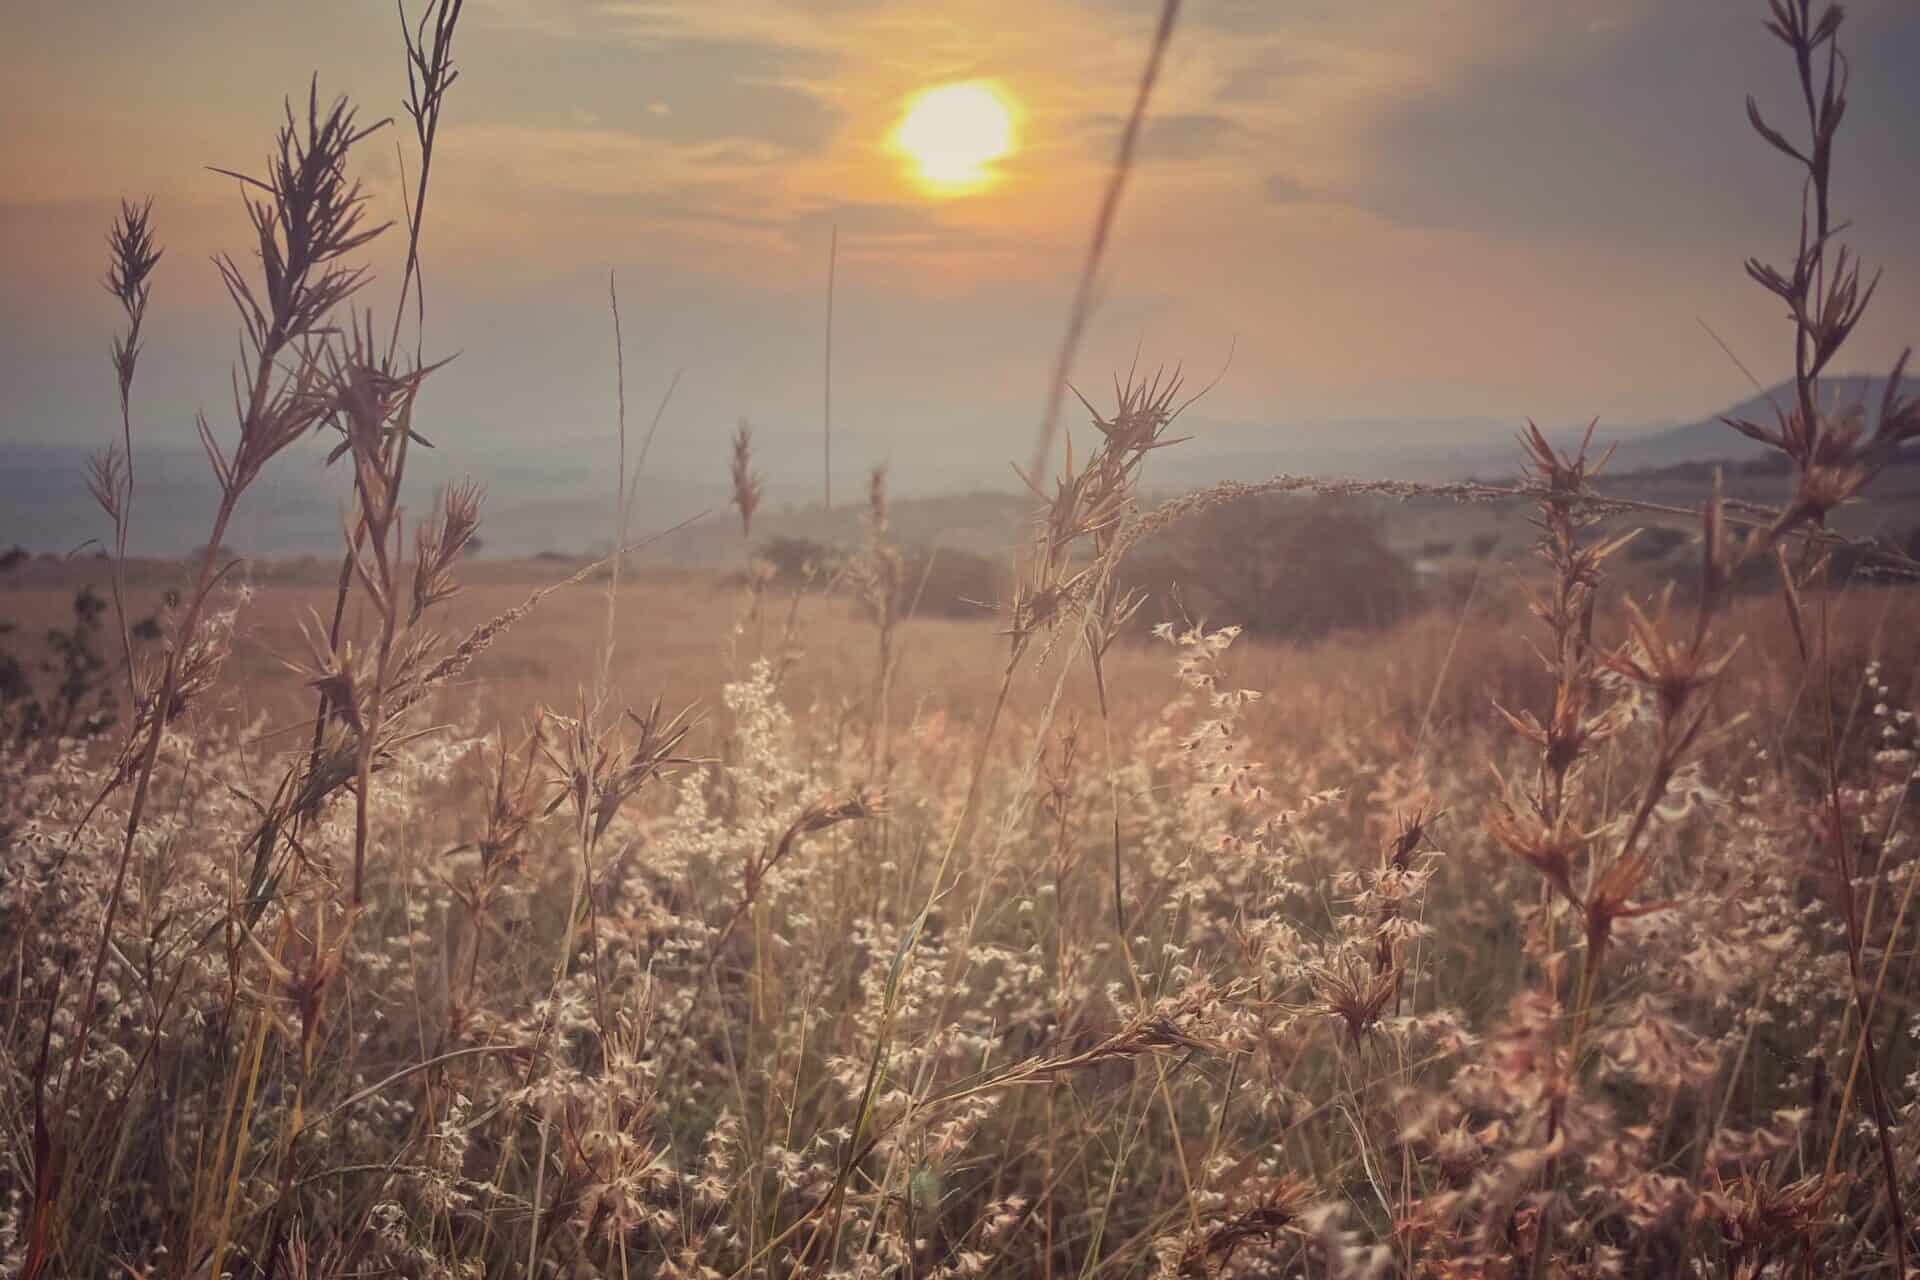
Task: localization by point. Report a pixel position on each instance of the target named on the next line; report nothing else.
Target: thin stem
(833, 261)
(1082, 304)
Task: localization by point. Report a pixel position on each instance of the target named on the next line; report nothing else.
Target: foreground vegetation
(1051, 951)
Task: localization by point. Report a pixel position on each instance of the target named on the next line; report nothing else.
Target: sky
(1449, 215)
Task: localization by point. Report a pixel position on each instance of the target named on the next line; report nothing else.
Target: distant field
(682, 635)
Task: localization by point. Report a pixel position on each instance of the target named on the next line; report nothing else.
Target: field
(1251, 877)
(1528, 890)
(684, 635)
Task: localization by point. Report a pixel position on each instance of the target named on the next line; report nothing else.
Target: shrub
(64, 692)
(1867, 564)
(945, 582)
(799, 561)
(1278, 566)
(1656, 542)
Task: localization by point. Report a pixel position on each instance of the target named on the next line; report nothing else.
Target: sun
(953, 133)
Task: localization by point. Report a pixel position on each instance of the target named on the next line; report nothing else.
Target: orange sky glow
(1476, 209)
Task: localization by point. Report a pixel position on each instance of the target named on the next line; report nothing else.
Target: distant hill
(1446, 449)
(296, 507)
(983, 523)
(1712, 440)
(946, 492)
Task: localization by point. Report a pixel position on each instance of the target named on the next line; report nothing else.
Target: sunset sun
(953, 133)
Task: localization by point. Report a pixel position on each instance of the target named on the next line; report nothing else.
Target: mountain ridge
(536, 504)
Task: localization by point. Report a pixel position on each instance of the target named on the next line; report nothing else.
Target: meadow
(413, 914)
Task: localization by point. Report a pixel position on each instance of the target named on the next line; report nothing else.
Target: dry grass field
(685, 635)
(406, 914)
(1274, 827)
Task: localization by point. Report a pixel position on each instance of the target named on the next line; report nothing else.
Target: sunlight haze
(1435, 221)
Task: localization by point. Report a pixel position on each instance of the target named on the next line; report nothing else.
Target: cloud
(1232, 17)
(1282, 189)
(1631, 131)
(1169, 139)
(1261, 75)
(684, 90)
(869, 221)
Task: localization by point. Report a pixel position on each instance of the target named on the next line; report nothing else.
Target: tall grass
(1604, 968)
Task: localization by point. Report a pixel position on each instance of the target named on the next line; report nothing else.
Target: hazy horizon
(1419, 218)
